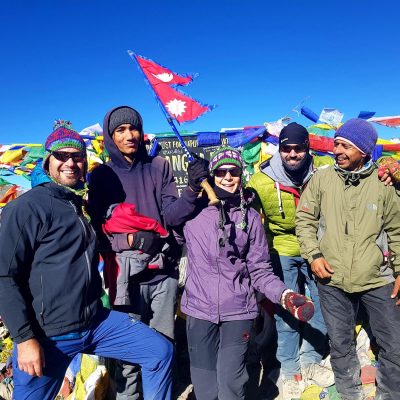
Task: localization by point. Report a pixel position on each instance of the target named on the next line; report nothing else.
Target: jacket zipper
(86, 311)
(42, 312)
(247, 295)
(219, 271)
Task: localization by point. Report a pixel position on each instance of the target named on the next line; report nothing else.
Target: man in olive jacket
(341, 219)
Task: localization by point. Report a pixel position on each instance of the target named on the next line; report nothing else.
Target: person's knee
(165, 350)
(231, 384)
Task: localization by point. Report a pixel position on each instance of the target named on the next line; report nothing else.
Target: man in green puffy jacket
(341, 219)
(278, 186)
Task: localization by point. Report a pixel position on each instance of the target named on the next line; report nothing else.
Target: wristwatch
(317, 255)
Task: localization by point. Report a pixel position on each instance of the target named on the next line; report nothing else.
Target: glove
(390, 166)
(298, 305)
(148, 242)
(197, 172)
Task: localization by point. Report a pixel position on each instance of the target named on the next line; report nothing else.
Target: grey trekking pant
(340, 309)
(153, 304)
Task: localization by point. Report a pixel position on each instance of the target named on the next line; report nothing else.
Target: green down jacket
(277, 203)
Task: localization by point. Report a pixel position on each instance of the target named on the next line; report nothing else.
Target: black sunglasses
(298, 148)
(65, 156)
(221, 172)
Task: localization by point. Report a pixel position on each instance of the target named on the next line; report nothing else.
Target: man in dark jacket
(50, 287)
(131, 176)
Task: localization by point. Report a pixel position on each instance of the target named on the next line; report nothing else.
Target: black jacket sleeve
(19, 229)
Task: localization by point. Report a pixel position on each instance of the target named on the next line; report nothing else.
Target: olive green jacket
(276, 200)
(343, 219)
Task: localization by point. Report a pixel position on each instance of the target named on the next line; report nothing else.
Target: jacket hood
(115, 155)
(275, 170)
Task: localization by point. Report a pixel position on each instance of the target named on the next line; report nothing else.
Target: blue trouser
(111, 334)
(340, 312)
(312, 335)
(217, 355)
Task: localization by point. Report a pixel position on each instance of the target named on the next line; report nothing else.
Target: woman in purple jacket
(228, 261)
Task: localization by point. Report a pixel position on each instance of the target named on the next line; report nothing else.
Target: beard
(300, 165)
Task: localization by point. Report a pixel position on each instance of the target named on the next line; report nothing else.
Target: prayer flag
(331, 116)
(392, 122)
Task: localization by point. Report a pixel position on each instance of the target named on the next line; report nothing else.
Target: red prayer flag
(391, 122)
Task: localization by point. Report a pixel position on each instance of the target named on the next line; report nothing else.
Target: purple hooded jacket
(222, 281)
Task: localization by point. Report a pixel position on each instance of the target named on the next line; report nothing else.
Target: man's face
(347, 156)
(67, 166)
(127, 138)
(293, 154)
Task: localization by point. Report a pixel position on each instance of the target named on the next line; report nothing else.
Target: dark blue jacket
(148, 183)
(49, 279)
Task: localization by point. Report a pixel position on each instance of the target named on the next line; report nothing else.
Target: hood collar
(353, 177)
(275, 170)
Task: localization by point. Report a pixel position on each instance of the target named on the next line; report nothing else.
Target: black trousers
(340, 309)
(217, 355)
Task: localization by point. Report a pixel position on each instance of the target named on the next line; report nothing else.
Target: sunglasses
(221, 172)
(298, 148)
(65, 156)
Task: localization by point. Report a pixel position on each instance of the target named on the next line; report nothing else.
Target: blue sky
(256, 59)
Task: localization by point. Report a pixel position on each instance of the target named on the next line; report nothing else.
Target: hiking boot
(315, 374)
(291, 388)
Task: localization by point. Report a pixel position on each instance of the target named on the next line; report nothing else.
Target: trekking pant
(340, 312)
(111, 334)
(299, 344)
(153, 304)
(217, 355)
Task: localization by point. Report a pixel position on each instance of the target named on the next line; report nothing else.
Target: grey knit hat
(125, 115)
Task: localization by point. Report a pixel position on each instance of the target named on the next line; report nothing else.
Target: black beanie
(293, 133)
(125, 115)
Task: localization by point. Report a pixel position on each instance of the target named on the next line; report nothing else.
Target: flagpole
(212, 197)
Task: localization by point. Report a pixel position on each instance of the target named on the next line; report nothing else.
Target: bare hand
(130, 239)
(396, 289)
(321, 268)
(31, 357)
(386, 178)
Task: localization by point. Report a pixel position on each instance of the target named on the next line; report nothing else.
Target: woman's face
(228, 177)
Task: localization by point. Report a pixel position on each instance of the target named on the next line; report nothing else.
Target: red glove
(390, 166)
(298, 305)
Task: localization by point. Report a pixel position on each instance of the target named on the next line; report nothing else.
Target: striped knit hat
(63, 136)
(225, 155)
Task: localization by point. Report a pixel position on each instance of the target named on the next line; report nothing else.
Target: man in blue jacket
(50, 287)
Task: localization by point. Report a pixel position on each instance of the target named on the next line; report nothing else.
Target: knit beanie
(360, 133)
(225, 155)
(125, 115)
(63, 136)
(293, 133)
